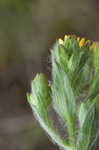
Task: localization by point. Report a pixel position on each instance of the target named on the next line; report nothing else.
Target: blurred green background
(28, 29)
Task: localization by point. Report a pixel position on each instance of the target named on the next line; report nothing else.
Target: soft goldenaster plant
(73, 93)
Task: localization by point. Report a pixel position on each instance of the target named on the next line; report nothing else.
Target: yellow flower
(60, 41)
(82, 42)
(78, 39)
(65, 37)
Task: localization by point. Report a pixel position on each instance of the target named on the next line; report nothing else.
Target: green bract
(73, 93)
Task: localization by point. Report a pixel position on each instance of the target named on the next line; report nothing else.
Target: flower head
(82, 42)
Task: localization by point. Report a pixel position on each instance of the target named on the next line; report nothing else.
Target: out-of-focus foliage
(16, 5)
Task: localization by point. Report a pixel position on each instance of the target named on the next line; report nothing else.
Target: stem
(71, 131)
(47, 126)
(70, 123)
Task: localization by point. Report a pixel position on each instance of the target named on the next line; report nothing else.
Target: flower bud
(40, 96)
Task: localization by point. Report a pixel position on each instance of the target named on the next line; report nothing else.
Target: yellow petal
(60, 41)
(65, 37)
(82, 42)
(78, 39)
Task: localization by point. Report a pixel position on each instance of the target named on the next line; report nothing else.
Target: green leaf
(71, 45)
(81, 75)
(83, 112)
(95, 55)
(94, 86)
(39, 100)
(86, 119)
(63, 98)
(40, 97)
(59, 54)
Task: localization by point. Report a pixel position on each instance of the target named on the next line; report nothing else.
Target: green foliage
(86, 121)
(73, 68)
(39, 99)
(15, 6)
